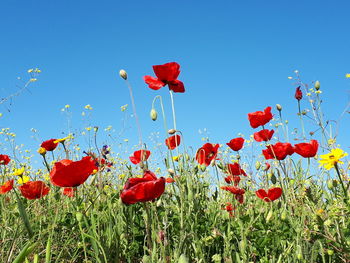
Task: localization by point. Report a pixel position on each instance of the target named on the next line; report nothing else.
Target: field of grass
(270, 197)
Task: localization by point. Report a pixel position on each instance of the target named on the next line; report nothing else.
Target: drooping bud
(171, 131)
(123, 74)
(153, 114)
(278, 107)
(317, 85)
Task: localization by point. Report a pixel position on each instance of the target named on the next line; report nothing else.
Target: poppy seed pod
(123, 74)
(317, 85)
(171, 131)
(278, 107)
(153, 114)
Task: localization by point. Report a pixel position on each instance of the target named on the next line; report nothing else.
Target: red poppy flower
(6, 187)
(169, 180)
(235, 169)
(173, 141)
(4, 159)
(144, 189)
(166, 75)
(263, 135)
(229, 208)
(207, 153)
(238, 192)
(298, 94)
(307, 150)
(260, 118)
(233, 178)
(278, 151)
(49, 145)
(67, 173)
(236, 144)
(267, 167)
(69, 191)
(233, 189)
(34, 189)
(140, 155)
(271, 195)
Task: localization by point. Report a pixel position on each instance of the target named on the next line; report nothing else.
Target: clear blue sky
(235, 58)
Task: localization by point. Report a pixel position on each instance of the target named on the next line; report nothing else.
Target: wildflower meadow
(274, 195)
(174, 131)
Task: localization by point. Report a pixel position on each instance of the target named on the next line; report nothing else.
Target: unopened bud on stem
(317, 85)
(278, 107)
(123, 74)
(153, 114)
(171, 131)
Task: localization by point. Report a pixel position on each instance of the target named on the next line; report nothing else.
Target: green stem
(341, 181)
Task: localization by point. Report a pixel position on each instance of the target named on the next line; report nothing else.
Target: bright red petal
(153, 83)
(176, 86)
(167, 72)
(274, 193)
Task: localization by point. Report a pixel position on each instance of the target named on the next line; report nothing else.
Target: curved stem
(135, 114)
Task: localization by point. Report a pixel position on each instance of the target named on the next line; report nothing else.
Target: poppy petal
(153, 83)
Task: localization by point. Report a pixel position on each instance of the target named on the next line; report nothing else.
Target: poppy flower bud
(123, 74)
(146, 259)
(183, 259)
(278, 107)
(238, 157)
(269, 216)
(153, 114)
(331, 184)
(317, 85)
(298, 94)
(42, 151)
(79, 216)
(284, 215)
(330, 252)
(257, 165)
(273, 178)
(171, 171)
(171, 131)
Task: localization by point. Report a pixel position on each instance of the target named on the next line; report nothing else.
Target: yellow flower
(124, 107)
(88, 107)
(67, 106)
(46, 177)
(176, 158)
(19, 172)
(347, 75)
(331, 141)
(319, 212)
(42, 151)
(23, 180)
(33, 80)
(330, 159)
(121, 176)
(62, 140)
